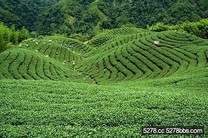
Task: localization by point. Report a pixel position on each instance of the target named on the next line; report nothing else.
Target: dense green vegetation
(94, 15)
(108, 86)
(85, 79)
(23, 12)
(199, 28)
(135, 56)
(113, 55)
(10, 36)
(68, 109)
(91, 16)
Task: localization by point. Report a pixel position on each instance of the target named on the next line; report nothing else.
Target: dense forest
(91, 16)
(23, 12)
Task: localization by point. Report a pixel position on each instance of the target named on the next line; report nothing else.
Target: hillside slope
(112, 56)
(92, 16)
(23, 12)
(109, 86)
(136, 57)
(25, 64)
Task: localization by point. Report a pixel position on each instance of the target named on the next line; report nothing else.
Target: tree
(14, 38)
(23, 34)
(10, 37)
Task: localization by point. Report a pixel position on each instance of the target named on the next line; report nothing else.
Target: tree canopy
(91, 16)
(11, 36)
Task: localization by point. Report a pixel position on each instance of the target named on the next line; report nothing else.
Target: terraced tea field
(136, 57)
(108, 86)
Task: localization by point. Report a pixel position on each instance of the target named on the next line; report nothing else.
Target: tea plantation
(109, 86)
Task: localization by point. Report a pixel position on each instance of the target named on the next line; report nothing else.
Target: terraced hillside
(108, 35)
(111, 56)
(48, 86)
(114, 55)
(49, 58)
(137, 57)
(26, 64)
(59, 48)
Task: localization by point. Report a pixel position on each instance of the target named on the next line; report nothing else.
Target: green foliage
(134, 56)
(67, 109)
(199, 28)
(15, 38)
(111, 55)
(20, 63)
(4, 37)
(11, 36)
(44, 94)
(92, 16)
(106, 35)
(22, 12)
(23, 34)
(159, 27)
